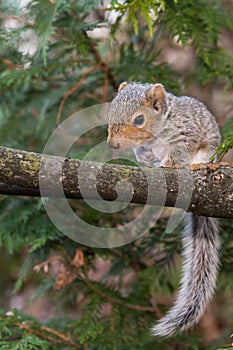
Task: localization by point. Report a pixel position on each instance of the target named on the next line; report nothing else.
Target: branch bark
(204, 189)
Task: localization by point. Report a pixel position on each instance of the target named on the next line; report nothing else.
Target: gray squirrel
(166, 130)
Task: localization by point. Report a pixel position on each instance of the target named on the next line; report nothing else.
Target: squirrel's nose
(113, 144)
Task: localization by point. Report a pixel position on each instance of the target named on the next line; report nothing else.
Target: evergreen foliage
(52, 65)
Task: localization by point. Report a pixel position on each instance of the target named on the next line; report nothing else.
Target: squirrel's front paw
(145, 155)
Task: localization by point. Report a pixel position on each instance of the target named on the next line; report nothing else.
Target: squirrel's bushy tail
(201, 257)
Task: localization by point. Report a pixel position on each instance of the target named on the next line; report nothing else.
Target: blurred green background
(58, 57)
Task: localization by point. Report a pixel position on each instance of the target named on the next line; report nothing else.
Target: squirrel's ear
(156, 92)
(122, 86)
(155, 95)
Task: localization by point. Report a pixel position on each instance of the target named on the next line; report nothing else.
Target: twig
(73, 89)
(105, 67)
(58, 334)
(10, 64)
(115, 300)
(44, 264)
(64, 339)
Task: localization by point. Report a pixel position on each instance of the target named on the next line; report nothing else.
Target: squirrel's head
(135, 113)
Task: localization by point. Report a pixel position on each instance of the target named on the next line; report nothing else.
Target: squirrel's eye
(139, 120)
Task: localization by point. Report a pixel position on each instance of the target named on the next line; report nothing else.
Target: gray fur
(201, 257)
(184, 132)
(185, 126)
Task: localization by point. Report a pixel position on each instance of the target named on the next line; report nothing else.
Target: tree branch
(207, 188)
